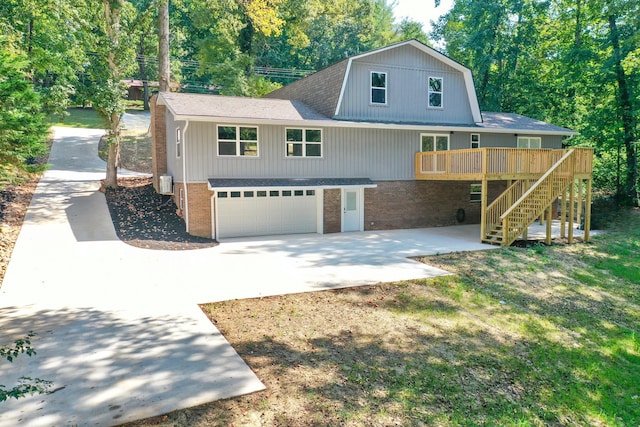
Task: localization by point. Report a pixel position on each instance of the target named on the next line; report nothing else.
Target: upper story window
(178, 142)
(378, 87)
(529, 142)
(434, 142)
(237, 141)
(304, 143)
(475, 140)
(435, 92)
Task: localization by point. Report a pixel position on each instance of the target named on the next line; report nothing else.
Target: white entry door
(351, 210)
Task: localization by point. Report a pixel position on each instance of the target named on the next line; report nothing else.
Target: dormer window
(435, 92)
(378, 88)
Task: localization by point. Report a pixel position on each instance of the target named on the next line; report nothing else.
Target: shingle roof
(187, 105)
(516, 122)
(320, 89)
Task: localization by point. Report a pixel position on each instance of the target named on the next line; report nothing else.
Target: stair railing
(537, 198)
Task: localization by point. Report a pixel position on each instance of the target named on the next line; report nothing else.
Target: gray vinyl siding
(407, 71)
(174, 165)
(377, 154)
(347, 153)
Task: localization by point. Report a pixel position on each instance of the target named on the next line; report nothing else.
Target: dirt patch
(14, 201)
(146, 219)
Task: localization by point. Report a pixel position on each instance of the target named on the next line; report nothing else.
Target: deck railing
(497, 163)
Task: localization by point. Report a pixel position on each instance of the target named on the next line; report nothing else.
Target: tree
(50, 34)
(23, 130)
(26, 385)
(570, 62)
(163, 46)
(113, 58)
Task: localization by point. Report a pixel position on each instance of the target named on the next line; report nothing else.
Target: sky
(422, 11)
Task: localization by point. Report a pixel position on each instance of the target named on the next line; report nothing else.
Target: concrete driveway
(119, 331)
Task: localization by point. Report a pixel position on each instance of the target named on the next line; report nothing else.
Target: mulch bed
(146, 219)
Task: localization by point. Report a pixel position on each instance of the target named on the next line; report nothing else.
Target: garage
(266, 211)
(246, 207)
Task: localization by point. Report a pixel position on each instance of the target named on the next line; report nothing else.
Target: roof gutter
(369, 125)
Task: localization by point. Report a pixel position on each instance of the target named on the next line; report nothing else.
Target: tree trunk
(163, 45)
(625, 108)
(113, 154)
(112, 11)
(142, 69)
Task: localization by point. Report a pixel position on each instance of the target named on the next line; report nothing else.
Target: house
(393, 138)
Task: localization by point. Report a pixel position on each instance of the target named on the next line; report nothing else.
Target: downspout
(184, 174)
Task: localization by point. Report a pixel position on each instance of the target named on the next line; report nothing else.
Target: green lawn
(79, 118)
(532, 336)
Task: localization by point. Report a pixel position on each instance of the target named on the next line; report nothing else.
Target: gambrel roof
(333, 81)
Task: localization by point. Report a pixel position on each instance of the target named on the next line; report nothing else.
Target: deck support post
(483, 211)
(587, 212)
(549, 216)
(572, 202)
(563, 214)
(579, 207)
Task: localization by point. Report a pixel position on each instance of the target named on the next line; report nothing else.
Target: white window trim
(238, 141)
(434, 135)
(178, 143)
(429, 92)
(386, 88)
(529, 139)
(304, 144)
(471, 141)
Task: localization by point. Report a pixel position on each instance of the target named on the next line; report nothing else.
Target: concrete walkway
(119, 331)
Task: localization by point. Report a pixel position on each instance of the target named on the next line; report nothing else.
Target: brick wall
(418, 204)
(158, 141)
(200, 210)
(332, 211)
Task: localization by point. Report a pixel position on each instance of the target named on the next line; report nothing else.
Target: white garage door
(262, 212)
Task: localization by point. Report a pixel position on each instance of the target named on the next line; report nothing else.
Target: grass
(79, 118)
(516, 337)
(88, 118)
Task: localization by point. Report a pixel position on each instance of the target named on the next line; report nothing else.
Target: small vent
(166, 184)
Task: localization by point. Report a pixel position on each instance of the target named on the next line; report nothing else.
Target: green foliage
(26, 385)
(23, 130)
(570, 63)
(52, 35)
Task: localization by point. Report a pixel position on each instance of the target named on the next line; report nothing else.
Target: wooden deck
(536, 179)
(493, 164)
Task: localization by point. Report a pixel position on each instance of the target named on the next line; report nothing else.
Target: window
(476, 193)
(261, 193)
(235, 194)
(475, 140)
(311, 192)
(435, 92)
(434, 142)
(237, 141)
(529, 142)
(286, 193)
(304, 143)
(178, 143)
(222, 194)
(378, 88)
(248, 194)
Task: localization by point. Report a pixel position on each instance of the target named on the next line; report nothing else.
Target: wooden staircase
(524, 201)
